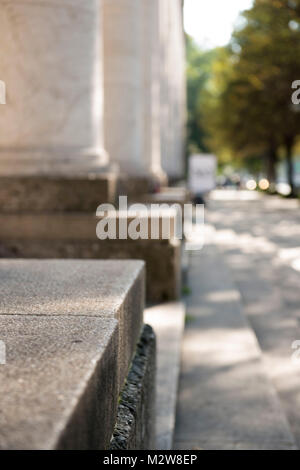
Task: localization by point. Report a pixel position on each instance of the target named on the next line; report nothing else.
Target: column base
(73, 236)
(134, 187)
(57, 192)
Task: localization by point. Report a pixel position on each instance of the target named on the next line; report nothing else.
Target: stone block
(134, 187)
(59, 387)
(73, 235)
(167, 195)
(108, 289)
(56, 193)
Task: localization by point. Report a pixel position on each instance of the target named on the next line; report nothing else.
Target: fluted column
(152, 51)
(165, 92)
(123, 84)
(51, 62)
(131, 71)
(173, 118)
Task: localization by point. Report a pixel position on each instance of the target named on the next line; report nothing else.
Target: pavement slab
(226, 399)
(259, 242)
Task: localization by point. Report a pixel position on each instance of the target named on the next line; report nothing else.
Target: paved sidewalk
(260, 243)
(226, 400)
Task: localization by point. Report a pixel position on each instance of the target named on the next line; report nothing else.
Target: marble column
(174, 123)
(51, 62)
(123, 91)
(165, 95)
(151, 81)
(131, 84)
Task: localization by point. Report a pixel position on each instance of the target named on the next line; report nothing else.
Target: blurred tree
(247, 106)
(270, 45)
(198, 74)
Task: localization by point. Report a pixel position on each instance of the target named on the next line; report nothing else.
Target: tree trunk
(289, 144)
(271, 161)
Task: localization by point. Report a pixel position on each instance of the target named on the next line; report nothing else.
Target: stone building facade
(92, 84)
(94, 108)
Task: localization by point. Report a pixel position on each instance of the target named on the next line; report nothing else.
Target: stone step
(73, 235)
(53, 192)
(167, 195)
(226, 400)
(70, 329)
(167, 320)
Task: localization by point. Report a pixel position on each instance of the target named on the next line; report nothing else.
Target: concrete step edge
(167, 320)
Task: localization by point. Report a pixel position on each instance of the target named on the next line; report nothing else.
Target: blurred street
(239, 382)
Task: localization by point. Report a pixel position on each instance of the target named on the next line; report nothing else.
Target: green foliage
(186, 290)
(242, 105)
(198, 74)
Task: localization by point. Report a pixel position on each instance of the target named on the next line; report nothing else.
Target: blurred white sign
(202, 173)
(2, 353)
(2, 92)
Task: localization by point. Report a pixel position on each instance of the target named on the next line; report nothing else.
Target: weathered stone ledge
(73, 235)
(42, 193)
(70, 330)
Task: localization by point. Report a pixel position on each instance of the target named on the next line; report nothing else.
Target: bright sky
(210, 22)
